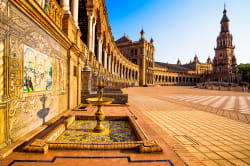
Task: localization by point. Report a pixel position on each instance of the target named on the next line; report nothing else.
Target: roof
(123, 39)
(224, 17)
(185, 67)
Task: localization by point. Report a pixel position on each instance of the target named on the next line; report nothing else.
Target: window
(75, 71)
(135, 51)
(134, 61)
(141, 51)
(132, 51)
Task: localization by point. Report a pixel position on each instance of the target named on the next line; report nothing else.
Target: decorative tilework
(82, 131)
(92, 157)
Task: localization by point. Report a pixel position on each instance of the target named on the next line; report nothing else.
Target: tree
(244, 70)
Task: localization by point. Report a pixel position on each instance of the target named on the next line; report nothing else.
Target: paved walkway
(212, 139)
(169, 115)
(233, 103)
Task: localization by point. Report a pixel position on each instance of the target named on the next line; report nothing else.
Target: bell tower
(224, 62)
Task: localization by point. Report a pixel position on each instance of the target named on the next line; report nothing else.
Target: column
(75, 7)
(131, 77)
(105, 59)
(119, 70)
(109, 65)
(115, 69)
(90, 29)
(65, 6)
(112, 67)
(93, 36)
(99, 54)
(122, 72)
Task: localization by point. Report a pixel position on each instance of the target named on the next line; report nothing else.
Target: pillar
(90, 29)
(75, 7)
(65, 6)
(121, 72)
(93, 35)
(112, 66)
(109, 64)
(115, 69)
(99, 54)
(118, 69)
(105, 59)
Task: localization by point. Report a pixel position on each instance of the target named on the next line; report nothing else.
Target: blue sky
(182, 28)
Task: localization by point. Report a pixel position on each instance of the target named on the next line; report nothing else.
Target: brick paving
(175, 118)
(223, 102)
(212, 139)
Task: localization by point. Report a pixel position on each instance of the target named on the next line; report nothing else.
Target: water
(82, 131)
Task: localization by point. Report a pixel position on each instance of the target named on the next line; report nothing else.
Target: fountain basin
(100, 101)
(76, 133)
(81, 131)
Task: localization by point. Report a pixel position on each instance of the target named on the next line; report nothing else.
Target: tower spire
(225, 10)
(142, 34)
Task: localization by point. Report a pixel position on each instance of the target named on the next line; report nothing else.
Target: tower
(178, 62)
(224, 62)
(142, 34)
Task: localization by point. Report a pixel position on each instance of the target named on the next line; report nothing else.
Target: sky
(182, 28)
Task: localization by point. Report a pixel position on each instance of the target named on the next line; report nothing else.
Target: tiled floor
(223, 102)
(213, 139)
(186, 134)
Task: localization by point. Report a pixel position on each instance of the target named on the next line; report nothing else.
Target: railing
(56, 13)
(53, 9)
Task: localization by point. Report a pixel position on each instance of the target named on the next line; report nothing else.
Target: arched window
(134, 61)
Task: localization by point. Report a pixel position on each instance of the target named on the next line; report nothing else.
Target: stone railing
(56, 13)
(53, 9)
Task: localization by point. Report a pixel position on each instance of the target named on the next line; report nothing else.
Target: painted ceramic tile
(37, 71)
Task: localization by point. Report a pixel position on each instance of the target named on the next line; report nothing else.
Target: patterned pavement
(233, 103)
(212, 139)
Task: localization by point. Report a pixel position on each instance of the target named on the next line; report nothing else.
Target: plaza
(189, 134)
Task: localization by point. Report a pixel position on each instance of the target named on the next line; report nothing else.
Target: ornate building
(157, 73)
(140, 53)
(224, 62)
